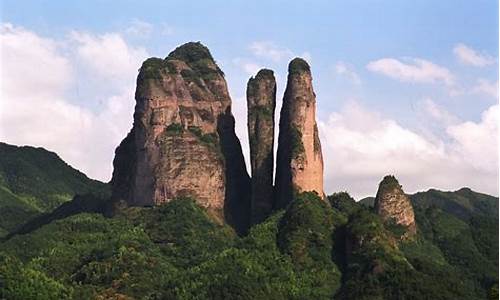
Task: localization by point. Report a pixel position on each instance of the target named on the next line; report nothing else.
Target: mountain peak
(394, 206)
(298, 65)
(191, 52)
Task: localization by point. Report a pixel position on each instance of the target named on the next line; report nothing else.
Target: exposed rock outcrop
(261, 102)
(394, 207)
(182, 142)
(299, 166)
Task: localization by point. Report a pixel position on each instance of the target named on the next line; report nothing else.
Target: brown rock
(299, 165)
(261, 101)
(182, 142)
(392, 204)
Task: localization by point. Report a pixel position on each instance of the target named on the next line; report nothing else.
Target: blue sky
(421, 76)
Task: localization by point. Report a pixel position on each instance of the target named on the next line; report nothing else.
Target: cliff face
(299, 159)
(392, 204)
(261, 101)
(182, 142)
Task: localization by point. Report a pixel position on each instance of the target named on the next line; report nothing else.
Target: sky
(408, 88)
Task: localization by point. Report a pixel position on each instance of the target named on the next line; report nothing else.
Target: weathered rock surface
(299, 166)
(392, 205)
(261, 102)
(182, 142)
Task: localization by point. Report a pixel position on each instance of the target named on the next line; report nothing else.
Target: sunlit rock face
(261, 102)
(182, 142)
(299, 165)
(392, 205)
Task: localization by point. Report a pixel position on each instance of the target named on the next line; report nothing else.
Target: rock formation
(261, 101)
(299, 166)
(182, 142)
(392, 205)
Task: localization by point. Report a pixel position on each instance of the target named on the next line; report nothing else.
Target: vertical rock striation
(182, 142)
(299, 165)
(261, 102)
(393, 206)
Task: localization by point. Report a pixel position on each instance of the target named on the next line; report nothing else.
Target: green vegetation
(175, 129)
(191, 52)
(195, 55)
(199, 59)
(305, 233)
(296, 142)
(265, 74)
(152, 68)
(209, 139)
(314, 249)
(297, 66)
(317, 143)
(192, 76)
(35, 181)
(262, 111)
(389, 183)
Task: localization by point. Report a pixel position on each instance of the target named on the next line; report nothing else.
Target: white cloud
(269, 50)
(486, 87)
(166, 29)
(34, 61)
(139, 28)
(469, 56)
(249, 67)
(341, 68)
(360, 147)
(477, 143)
(107, 55)
(438, 112)
(412, 70)
(37, 75)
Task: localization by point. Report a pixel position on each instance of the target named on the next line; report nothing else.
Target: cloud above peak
(415, 70)
(360, 146)
(271, 51)
(40, 78)
(468, 56)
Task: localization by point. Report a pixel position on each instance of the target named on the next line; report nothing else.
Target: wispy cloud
(142, 29)
(360, 146)
(271, 51)
(41, 111)
(342, 68)
(469, 56)
(412, 70)
(484, 86)
(249, 67)
(107, 54)
(139, 28)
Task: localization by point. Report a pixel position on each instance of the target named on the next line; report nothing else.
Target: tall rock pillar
(299, 165)
(182, 142)
(261, 102)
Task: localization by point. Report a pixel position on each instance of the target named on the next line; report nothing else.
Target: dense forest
(312, 249)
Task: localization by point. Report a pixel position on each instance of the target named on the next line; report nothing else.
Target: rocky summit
(393, 206)
(261, 101)
(299, 166)
(182, 143)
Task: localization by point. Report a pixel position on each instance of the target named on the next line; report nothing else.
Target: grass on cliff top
(265, 73)
(152, 67)
(194, 54)
(389, 183)
(191, 52)
(198, 57)
(298, 65)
